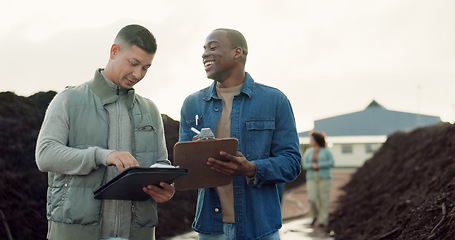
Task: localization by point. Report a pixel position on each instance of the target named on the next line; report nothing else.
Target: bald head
(236, 39)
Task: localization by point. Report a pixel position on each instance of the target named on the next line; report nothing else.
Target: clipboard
(129, 183)
(193, 156)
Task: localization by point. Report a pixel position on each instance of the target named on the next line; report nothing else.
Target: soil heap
(405, 191)
(23, 187)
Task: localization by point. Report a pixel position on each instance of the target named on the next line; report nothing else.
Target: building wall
(349, 151)
(353, 154)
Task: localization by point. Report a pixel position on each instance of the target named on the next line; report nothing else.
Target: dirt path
(295, 204)
(295, 211)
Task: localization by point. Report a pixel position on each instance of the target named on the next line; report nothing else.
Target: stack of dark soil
(406, 191)
(23, 187)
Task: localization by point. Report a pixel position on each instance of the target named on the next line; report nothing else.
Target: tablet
(129, 183)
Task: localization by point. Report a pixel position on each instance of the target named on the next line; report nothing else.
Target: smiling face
(219, 56)
(127, 65)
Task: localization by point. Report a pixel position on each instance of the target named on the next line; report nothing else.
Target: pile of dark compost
(23, 187)
(405, 191)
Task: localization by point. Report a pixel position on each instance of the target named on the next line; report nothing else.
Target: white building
(353, 138)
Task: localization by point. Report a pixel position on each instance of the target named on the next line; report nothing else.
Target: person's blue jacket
(325, 162)
(263, 121)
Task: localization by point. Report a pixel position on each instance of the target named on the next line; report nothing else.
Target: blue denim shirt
(263, 122)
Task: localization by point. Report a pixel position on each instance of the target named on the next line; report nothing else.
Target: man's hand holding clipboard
(237, 165)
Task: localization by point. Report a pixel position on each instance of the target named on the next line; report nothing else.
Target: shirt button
(217, 210)
(216, 109)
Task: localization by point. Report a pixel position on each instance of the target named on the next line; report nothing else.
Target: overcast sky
(328, 57)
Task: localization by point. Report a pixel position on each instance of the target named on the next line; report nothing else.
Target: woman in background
(317, 162)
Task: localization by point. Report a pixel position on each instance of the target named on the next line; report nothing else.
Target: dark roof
(373, 120)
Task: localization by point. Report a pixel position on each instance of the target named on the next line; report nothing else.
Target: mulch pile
(405, 191)
(23, 187)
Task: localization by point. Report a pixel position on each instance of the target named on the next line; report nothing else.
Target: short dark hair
(236, 39)
(138, 35)
(319, 138)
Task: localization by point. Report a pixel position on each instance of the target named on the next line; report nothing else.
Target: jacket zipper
(117, 202)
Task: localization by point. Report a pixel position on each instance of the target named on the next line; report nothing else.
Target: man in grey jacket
(94, 131)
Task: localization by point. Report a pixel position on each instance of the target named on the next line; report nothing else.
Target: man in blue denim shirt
(261, 118)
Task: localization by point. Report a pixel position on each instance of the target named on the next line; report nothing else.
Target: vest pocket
(145, 214)
(146, 139)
